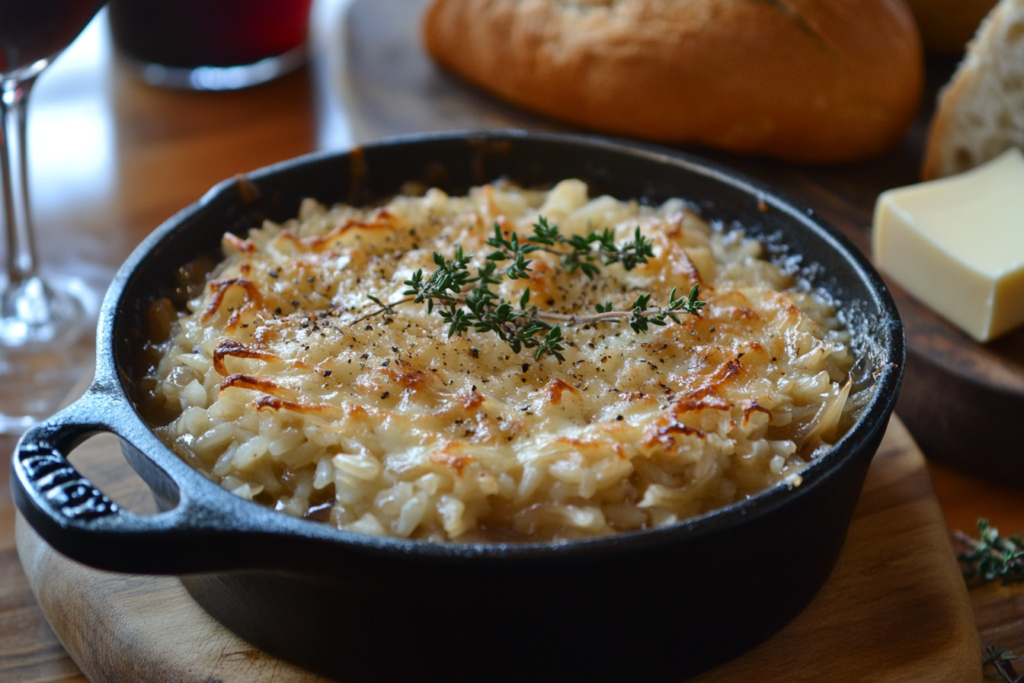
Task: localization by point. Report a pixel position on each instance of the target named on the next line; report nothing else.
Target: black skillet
(653, 605)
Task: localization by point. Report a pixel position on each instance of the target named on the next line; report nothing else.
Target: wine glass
(41, 321)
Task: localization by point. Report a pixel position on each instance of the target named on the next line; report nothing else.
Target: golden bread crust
(805, 80)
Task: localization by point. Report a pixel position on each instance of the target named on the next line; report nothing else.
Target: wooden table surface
(111, 158)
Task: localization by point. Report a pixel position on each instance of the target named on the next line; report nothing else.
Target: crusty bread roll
(947, 25)
(981, 111)
(803, 80)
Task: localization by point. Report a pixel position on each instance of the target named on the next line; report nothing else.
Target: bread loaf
(947, 25)
(981, 111)
(803, 80)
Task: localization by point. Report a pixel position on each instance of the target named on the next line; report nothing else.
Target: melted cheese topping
(390, 426)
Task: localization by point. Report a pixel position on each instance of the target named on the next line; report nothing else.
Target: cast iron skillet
(653, 605)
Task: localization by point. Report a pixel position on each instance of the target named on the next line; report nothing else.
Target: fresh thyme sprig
(465, 301)
(992, 557)
(997, 666)
(642, 316)
(582, 256)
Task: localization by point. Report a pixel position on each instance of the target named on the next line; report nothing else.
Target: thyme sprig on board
(991, 557)
(466, 301)
(998, 667)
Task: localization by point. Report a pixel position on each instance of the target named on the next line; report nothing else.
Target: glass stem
(21, 248)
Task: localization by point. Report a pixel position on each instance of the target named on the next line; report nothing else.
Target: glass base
(217, 77)
(33, 386)
(36, 313)
(44, 351)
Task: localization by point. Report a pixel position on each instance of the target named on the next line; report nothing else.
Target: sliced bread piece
(981, 110)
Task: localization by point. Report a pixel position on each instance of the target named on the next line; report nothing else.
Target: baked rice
(269, 386)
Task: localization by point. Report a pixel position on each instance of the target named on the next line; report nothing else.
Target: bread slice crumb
(981, 111)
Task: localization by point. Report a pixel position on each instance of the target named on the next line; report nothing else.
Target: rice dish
(286, 384)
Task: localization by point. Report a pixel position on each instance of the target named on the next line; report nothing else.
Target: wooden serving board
(895, 609)
(956, 392)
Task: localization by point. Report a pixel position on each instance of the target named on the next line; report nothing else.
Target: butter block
(957, 244)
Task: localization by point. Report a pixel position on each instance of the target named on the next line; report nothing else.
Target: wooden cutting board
(895, 609)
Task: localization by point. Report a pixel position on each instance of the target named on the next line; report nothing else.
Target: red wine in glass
(210, 44)
(40, 321)
(35, 30)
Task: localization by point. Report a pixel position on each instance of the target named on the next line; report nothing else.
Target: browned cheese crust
(286, 385)
(804, 80)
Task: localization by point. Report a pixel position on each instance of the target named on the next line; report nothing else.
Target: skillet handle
(50, 485)
(79, 521)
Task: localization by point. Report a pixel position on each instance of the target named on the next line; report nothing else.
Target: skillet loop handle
(76, 518)
(79, 521)
(59, 490)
